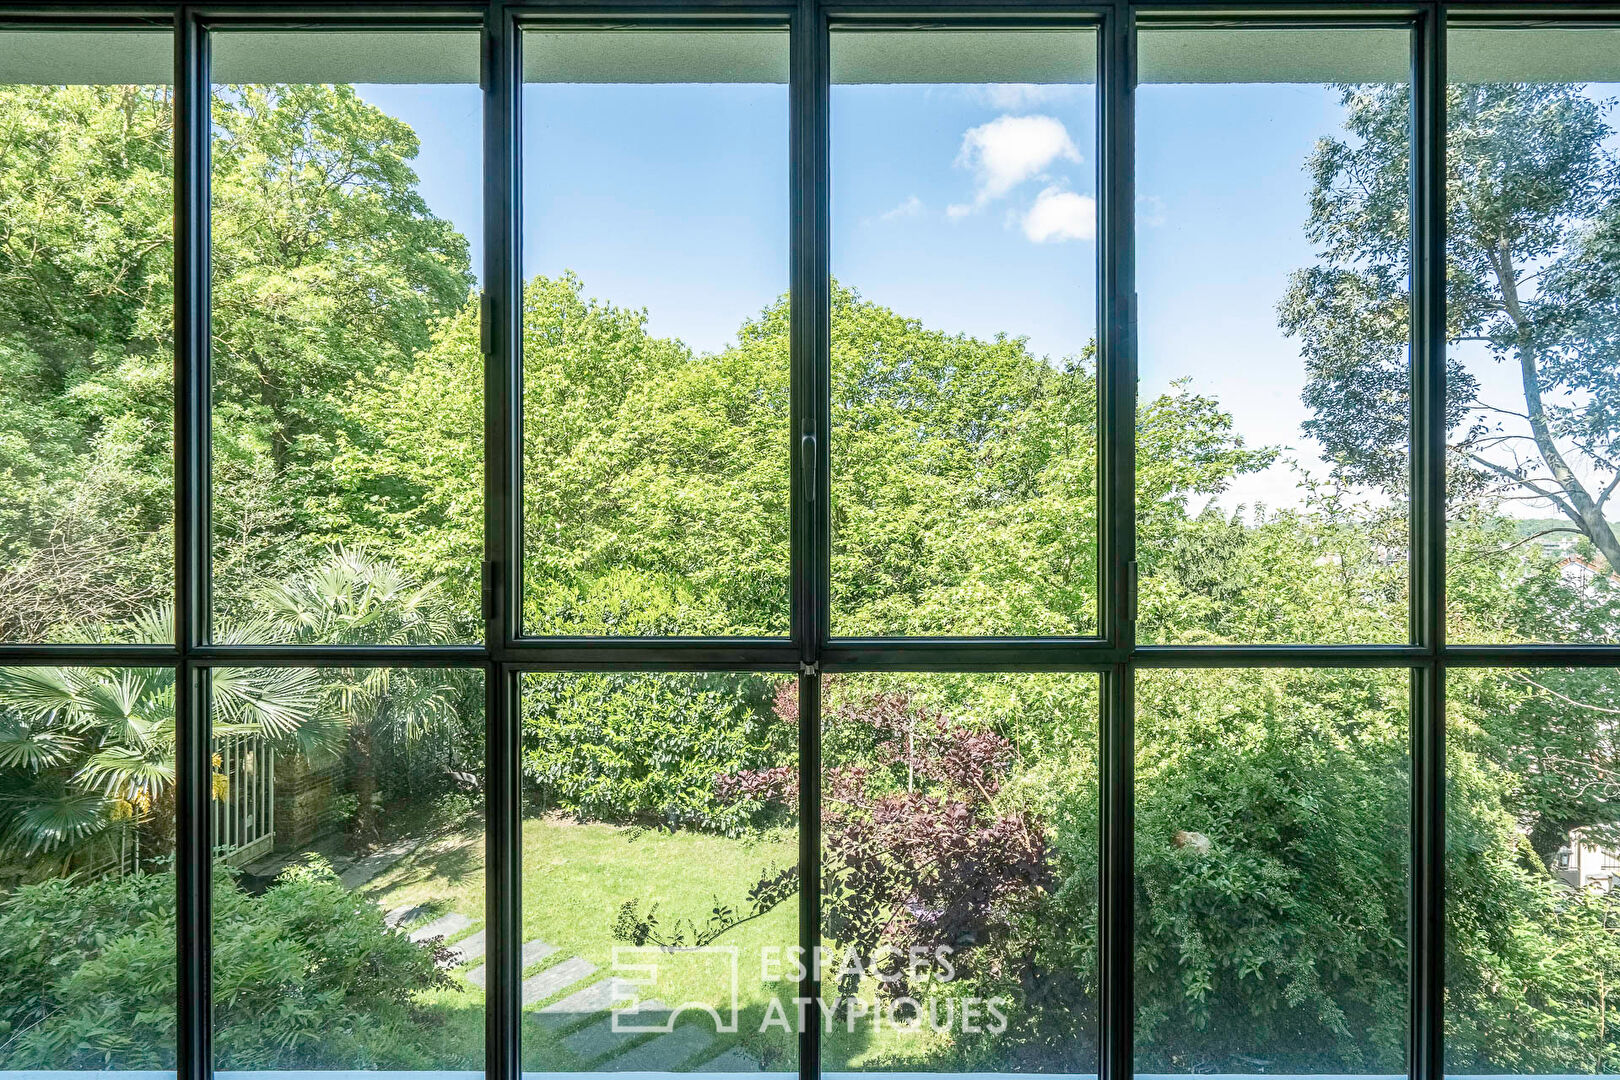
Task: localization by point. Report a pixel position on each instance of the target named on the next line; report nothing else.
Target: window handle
(807, 466)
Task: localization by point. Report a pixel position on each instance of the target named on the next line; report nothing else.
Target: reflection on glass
(964, 419)
(348, 902)
(959, 873)
(86, 325)
(660, 873)
(1272, 820)
(87, 935)
(1273, 428)
(655, 333)
(1533, 211)
(347, 375)
(1532, 850)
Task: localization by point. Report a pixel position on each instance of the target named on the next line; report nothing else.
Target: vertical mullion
(810, 301)
(1116, 377)
(501, 322)
(810, 328)
(1115, 907)
(810, 872)
(1426, 1060)
(193, 812)
(1116, 370)
(503, 899)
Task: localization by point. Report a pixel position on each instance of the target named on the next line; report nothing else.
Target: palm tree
(355, 598)
(87, 755)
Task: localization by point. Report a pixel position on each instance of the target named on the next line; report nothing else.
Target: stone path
(580, 1005)
(468, 949)
(555, 979)
(352, 870)
(582, 1020)
(666, 1053)
(533, 953)
(734, 1060)
(442, 927)
(600, 1039)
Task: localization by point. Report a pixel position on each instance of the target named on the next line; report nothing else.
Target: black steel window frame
(810, 650)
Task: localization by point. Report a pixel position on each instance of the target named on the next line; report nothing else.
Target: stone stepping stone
(467, 950)
(666, 1053)
(401, 915)
(599, 1038)
(442, 927)
(734, 1060)
(555, 979)
(365, 868)
(595, 998)
(533, 952)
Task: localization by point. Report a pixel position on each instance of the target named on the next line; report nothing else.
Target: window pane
(660, 882)
(1272, 844)
(347, 371)
(1532, 848)
(86, 334)
(964, 419)
(1533, 204)
(87, 936)
(1273, 426)
(348, 904)
(959, 868)
(655, 333)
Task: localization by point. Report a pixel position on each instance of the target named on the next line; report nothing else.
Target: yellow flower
(222, 786)
(122, 810)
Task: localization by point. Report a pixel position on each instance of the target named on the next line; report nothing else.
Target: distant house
(1585, 866)
(1579, 574)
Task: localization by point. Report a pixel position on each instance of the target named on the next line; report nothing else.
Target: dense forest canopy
(347, 506)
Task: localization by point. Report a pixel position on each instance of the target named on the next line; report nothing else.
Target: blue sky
(968, 207)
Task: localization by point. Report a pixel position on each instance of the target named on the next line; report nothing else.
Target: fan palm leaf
(31, 747)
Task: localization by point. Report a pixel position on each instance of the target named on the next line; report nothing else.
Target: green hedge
(305, 976)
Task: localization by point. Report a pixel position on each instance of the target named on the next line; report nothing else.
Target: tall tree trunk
(1572, 498)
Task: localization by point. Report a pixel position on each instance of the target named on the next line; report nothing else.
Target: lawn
(577, 877)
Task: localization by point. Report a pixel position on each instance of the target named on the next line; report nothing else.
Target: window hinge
(490, 591)
(813, 668)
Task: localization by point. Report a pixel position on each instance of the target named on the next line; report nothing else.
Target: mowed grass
(576, 878)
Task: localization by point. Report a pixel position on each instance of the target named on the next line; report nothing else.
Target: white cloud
(1024, 95)
(1061, 215)
(1150, 212)
(1008, 151)
(910, 206)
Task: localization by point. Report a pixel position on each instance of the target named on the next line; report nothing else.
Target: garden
(958, 811)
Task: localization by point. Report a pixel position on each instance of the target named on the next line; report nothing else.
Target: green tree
(1533, 226)
(87, 754)
(85, 336)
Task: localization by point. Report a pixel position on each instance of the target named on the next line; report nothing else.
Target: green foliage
(1532, 215)
(305, 976)
(1288, 933)
(348, 425)
(87, 754)
(646, 749)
